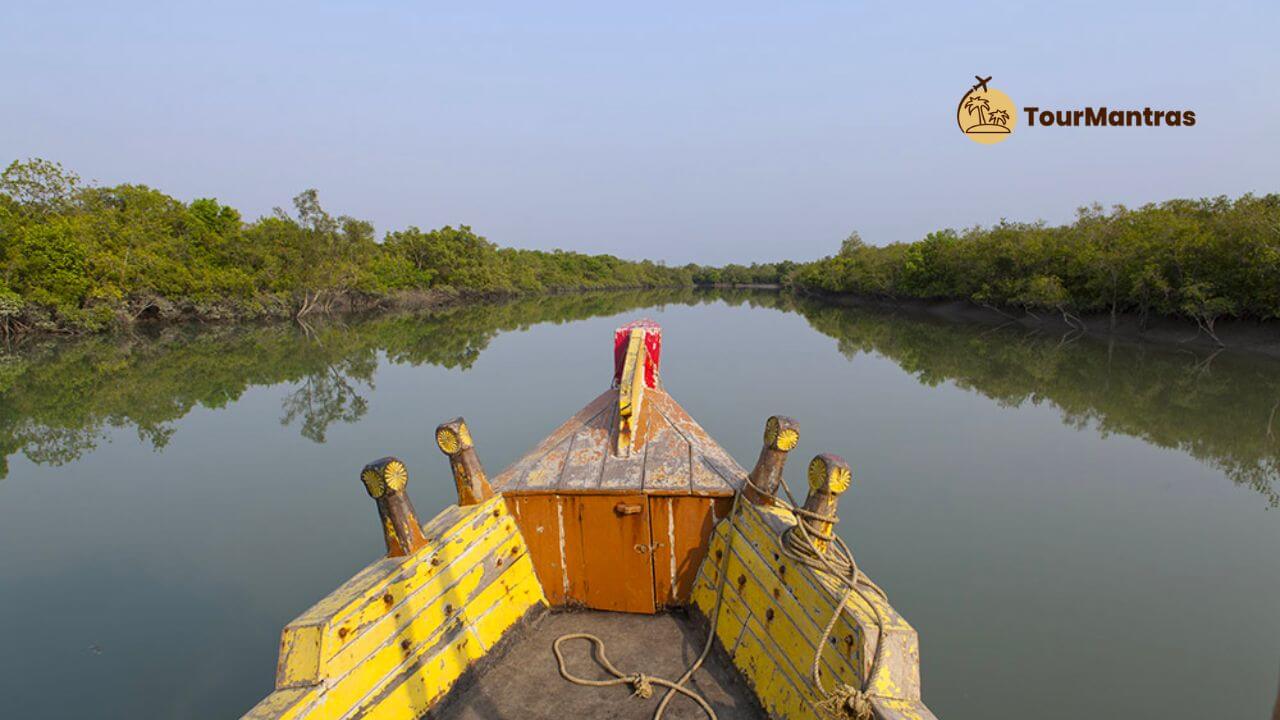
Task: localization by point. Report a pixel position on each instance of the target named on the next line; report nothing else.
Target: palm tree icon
(973, 104)
(989, 121)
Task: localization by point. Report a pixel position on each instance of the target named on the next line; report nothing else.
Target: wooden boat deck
(675, 456)
(524, 683)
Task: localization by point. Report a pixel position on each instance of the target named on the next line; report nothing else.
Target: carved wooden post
(781, 434)
(829, 477)
(385, 480)
(637, 352)
(454, 440)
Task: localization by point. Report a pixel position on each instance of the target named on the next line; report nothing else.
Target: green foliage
(50, 264)
(84, 257)
(1198, 259)
(87, 257)
(754, 274)
(39, 186)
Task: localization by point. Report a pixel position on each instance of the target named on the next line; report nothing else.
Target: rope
(799, 544)
(643, 684)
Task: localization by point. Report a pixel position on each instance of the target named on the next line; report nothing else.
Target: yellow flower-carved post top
(781, 434)
(829, 477)
(454, 440)
(385, 480)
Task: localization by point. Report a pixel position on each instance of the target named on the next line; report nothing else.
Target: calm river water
(1076, 529)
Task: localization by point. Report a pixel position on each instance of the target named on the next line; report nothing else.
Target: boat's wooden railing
(394, 639)
(774, 610)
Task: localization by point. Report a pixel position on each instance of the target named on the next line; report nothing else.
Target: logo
(986, 115)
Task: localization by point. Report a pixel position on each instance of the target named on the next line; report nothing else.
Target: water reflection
(58, 399)
(1219, 407)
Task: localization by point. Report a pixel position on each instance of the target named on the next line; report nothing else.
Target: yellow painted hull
(393, 640)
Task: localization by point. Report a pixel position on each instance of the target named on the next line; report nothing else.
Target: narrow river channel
(1076, 528)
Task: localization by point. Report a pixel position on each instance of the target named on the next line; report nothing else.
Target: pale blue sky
(721, 132)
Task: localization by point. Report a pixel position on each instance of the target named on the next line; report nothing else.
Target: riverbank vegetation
(76, 257)
(1202, 260)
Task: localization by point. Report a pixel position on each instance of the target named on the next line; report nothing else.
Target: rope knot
(846, 702)
(641, 685)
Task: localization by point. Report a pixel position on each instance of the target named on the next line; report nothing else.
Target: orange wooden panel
(539, 523)
(613, 544)
(681, 529)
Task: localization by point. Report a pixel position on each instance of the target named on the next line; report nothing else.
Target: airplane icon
(982, 83)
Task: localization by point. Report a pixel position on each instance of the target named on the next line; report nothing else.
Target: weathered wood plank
(456, 555)
(426, 677)
(761, 550)
(407, 617)
(755, 586)
(780, 691)
(581, 457)
(663, 524)
(512, 478)
(301, 647)
(780, 686)
(364, 582)
(418, 618)
(762, 581)
(544, 473)
(509, 601)
(587, 452)
(775, 520)
(281, 705)
(359, 670)
(781, 615)
(705, 478)
(623, 473)
(712, 469)
(614, 545)
(666, 461)
(569, 532)
(539, 522)
(681, 532)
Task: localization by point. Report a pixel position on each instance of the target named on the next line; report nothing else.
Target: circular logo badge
(986, 115)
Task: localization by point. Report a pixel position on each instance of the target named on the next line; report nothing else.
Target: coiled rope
(799, 544)
(642, 684)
